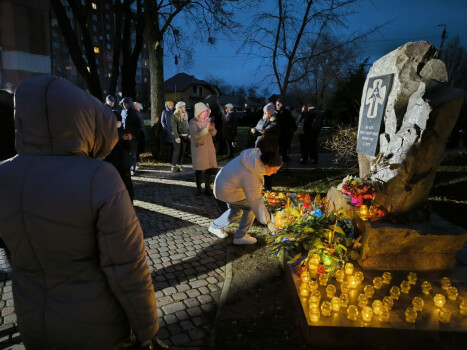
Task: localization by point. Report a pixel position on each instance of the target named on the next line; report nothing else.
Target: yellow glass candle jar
(345, 299)
(323, 279)
(439, 300)
(444, 316)
(384, 317)
(445, 283)
(395, 292)
(315, 297)
(330, 291)
(463, 307)
(352, 313)
(327, 260)
(377, 307)
(336, 304)
(405, 287)
(388, 302)
(377, 282)
(313, 284)
(349, 269)
(326, 308)
(426, 287)
(387, 277)
(364, 212)
(410, 315)
(452, 293)
(304, 289)
(345, 287)
(340, 275)
(305, 277)
(418, 303)
(412, 278)
(304, 301)
(360, 276)
(369, 291)
(362, 300)
(367, 314)
(314, 314)
(352, 280)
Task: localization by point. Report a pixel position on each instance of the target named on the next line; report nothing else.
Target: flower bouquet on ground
(358, 191)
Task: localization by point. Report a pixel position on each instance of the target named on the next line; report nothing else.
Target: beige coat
(203, 153)
(80, 277)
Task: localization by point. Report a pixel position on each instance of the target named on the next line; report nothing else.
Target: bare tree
(277, 35)
(204, 17)
(454, 56)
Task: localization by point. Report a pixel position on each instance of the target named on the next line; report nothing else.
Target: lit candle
(405, 287)
(340, 274)
(314, 314)
(377, 307)
(367, 314)
(349, 269)
(327, 260)
(362, 300)
(345, 287)
(387, 277)
(352, 312)
(452, 293)
(426, 287)
(388, 302)
(395, 292)
(304, 289)
(444, 315)
(352, 280)
(336, 304)
(363, 211)
(313, 262)
(326, 308)
(321, 269)
(345, 299)
(305, 276)
(384, 317)
(445, 283)
(410, 315)
(418, 303)
(439, 300)
(377, 282)
(463, 307)
(412, 278)
(360, 277)
(313, 284)
(369, 291)
(323, 280)
(330, 291)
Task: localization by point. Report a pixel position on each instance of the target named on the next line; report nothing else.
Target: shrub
(343, 143)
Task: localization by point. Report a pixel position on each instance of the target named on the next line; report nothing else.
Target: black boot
(198, 174)
(207, 184)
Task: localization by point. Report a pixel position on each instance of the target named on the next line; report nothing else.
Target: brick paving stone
(163, 333)
(8, 311)
(199, 320)
(205, 299)
(182, 315)
(192, 293)
(203, 290)
(187, 325)
(10, 319)
(174, 307)
(196, 334)
(195, 311)
(174, 329)
(7, 296)
(180, 339)
(170, 290)
(179, 296)
(208, 307)
(191, 302)
(213, 287)
(198, 283)
(183, 287)
(164, 300)
(170, 319)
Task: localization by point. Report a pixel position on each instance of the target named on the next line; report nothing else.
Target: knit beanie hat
(269, 107)
(200, 107)
(180, 104)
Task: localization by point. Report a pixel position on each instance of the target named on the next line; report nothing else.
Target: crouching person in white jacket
(239, 184)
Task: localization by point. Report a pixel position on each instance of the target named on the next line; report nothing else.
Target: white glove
(178, 140)
(272, 227)
(234, 144)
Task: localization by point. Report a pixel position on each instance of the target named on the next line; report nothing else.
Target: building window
(96, 49)
(195, 89)
(94, 6)
(200, 91)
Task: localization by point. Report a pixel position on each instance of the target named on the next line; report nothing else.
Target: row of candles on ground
(311, 296)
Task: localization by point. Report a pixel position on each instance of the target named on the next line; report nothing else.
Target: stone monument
(406, 116)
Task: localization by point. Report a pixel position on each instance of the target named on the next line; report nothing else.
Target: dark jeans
(168, 151)
(230, 149)
(133, 153)
(179, 150)
(304, 146)
(314, 145)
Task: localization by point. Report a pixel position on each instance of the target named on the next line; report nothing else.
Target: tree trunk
(156, 61)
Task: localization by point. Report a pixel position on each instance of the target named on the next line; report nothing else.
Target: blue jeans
(236, 210)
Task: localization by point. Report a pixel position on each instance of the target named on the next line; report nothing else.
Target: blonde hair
(179, 113)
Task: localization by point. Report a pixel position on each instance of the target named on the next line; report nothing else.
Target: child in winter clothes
(180, 134)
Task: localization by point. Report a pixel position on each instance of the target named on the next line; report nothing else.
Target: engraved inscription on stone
(375, 99)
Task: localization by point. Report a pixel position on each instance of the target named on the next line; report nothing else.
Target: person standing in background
(287, 129)
(230, 129)
(217, 117)
(166, 122)
(134, 127)
(142, 137)
(203, 153)
(180, 134)
(302, 136)
(7, 129)
(312, 128)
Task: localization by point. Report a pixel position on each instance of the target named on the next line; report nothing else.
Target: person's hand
(262, 132)
(177, 140)
(253, 130)
(211, 126)
(272, 228)
(127, 137)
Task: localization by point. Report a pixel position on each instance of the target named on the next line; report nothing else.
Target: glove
(178, 140)
(234, 144)
(272, 227)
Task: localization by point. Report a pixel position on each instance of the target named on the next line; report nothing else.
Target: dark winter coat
(166, 121)
(230, 127)
(7, 126)
(287, 127)
(134, 123)
(270, 140)
(80, 276)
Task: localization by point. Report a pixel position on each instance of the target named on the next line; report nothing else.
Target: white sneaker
(247, 239)
(219, 232)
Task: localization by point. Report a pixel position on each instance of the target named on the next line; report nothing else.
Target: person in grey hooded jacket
(80, 277)
(239, 184)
